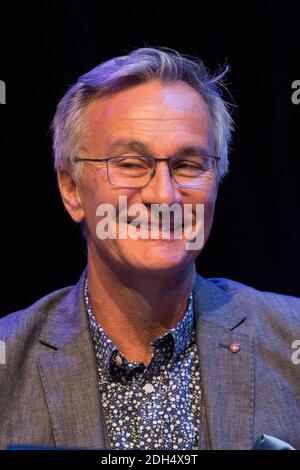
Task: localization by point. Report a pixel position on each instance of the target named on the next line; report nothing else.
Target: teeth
(154, 225)
(156, 228)
(136, 223)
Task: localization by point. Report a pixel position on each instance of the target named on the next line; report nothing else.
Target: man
(143, 353)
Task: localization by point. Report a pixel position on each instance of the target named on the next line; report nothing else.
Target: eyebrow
(138, 146)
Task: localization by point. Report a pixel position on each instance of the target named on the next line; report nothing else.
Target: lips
(150, 225)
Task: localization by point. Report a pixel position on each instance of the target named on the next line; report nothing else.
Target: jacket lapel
(227, 377)
(69, 376)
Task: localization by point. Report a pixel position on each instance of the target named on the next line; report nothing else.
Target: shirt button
(148, 388)
(118, 360)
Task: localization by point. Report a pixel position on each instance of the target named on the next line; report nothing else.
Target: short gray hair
(140, 66)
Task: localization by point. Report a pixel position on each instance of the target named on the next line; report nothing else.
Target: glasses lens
(193, 171)
(130, 172)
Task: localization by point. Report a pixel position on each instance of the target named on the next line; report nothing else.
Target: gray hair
(140, 66)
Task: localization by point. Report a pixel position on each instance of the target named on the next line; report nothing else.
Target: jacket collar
(216, 305)
(69, 374)
(69, 319)
(227, 374)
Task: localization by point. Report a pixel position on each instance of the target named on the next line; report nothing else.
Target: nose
(162, 188)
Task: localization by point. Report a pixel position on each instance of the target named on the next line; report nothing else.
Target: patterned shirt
(155, 406)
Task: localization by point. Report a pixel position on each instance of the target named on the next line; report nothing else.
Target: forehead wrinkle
(148, 115)
(192, 128)
(139, 145)
(161, 107)
(183, 118)
(154, 112)
(157, 111)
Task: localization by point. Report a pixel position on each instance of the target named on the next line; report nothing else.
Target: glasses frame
(106, 160)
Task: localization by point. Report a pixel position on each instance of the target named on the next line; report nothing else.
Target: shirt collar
(169, 346)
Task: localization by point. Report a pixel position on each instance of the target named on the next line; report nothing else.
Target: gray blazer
(48, 386)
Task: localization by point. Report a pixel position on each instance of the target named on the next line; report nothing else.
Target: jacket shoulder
(32, 317)
(235, 287)
(255, 300)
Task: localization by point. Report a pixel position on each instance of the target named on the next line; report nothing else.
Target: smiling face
(150, 119)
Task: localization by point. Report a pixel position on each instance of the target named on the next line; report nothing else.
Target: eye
(131, 163)
(186, 164)
(188, 167)
(193, 165)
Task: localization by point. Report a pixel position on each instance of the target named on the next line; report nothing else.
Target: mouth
(162, 227)
(158, 231)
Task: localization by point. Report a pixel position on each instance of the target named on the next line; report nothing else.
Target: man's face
(151, 119)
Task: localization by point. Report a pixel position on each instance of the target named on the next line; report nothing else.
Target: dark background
(45, 46)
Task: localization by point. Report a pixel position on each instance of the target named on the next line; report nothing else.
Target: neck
(136, 308)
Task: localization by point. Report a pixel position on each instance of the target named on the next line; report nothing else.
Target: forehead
(157, 114)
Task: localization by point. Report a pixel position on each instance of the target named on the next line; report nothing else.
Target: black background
(45, 46)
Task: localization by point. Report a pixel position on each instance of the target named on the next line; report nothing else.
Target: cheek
(101, 176)
(210, 204)
(94, 195)
(208, 198)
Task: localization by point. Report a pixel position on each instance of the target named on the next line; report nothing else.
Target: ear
(70, 195)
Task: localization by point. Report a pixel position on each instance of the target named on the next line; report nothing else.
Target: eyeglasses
(136, 172)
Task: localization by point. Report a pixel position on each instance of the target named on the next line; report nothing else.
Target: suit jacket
(48, 387)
